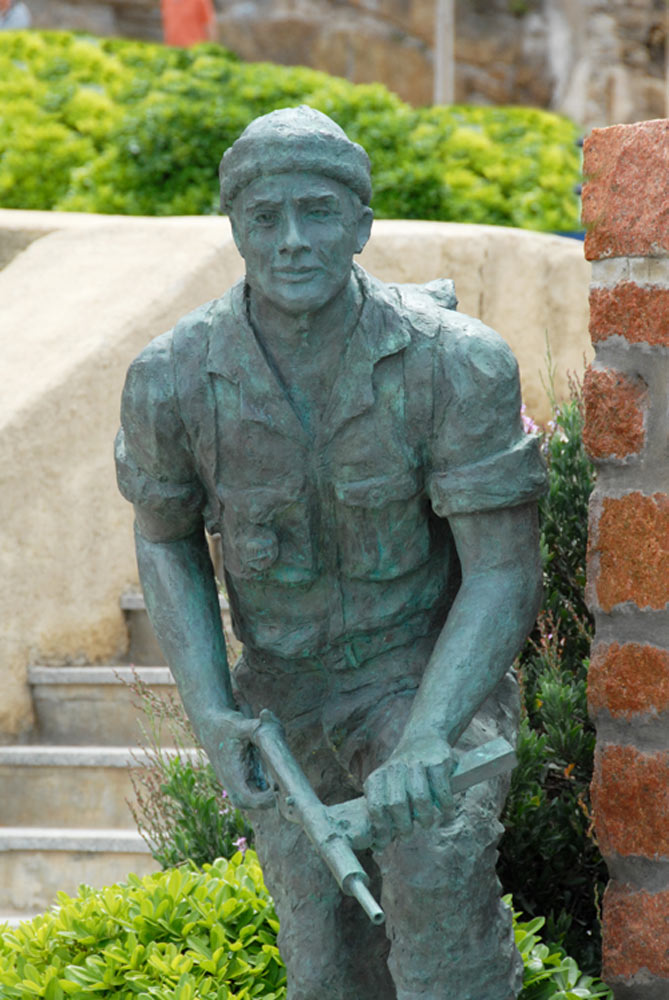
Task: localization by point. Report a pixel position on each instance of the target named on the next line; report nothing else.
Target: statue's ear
(364, 227)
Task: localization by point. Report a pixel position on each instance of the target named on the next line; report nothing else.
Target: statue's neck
(306, 351)
(303, 335)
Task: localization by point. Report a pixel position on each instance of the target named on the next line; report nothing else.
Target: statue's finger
(381, 837)
(397, 803)
(243, 797)
(375, 793)
(420, 795)
(232, 772)
(439, 779)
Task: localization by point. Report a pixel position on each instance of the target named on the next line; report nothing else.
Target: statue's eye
(319, 214)
(265, 219)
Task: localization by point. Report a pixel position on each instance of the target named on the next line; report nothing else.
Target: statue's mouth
(296, 274)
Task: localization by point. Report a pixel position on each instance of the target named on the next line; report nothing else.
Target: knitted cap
(294, 139)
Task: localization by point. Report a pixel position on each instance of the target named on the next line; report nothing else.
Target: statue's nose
(293, 236)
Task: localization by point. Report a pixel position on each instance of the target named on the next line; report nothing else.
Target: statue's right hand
(232, 756)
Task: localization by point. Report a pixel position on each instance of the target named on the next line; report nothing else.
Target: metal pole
(444, 52)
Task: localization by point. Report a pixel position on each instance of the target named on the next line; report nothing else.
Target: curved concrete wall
(80, 297)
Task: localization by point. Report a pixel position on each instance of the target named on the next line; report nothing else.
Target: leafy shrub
(180, 808)
(178, 935)
(549, 859)
(107, 125)
(548, 973)
(188, 933)
(564, 532)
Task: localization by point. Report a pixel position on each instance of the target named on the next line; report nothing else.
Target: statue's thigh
(452, 936)
(331, 949)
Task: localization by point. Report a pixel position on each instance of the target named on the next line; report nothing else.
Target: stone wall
(626, 206)
(129, 18)
(607, 59)
(599, 61)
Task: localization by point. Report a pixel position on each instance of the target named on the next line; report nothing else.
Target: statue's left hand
(413, 785)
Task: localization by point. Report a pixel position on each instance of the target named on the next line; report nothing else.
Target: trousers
(448, 935)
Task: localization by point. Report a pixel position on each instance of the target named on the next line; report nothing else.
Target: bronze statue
(358, 446)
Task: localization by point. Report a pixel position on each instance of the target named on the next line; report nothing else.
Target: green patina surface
(358, 446)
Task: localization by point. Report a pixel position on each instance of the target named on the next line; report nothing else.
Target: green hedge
(549, 858)
(108, 125)
(179, 935)
(186, 934)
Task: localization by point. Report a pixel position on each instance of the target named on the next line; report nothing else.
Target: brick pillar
(626, 210)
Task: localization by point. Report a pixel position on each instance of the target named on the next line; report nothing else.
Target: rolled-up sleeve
(154, 466)
(481, 459)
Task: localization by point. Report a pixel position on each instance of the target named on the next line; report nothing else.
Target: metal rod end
(355, 886)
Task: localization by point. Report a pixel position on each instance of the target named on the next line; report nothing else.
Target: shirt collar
(235, 354)
(380, 332)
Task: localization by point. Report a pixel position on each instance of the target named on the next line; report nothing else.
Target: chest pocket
(267, 531)
(382, 526)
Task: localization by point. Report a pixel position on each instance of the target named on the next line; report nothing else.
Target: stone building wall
(599, 61)
(626, 206)
(607, 59)
(127, 18)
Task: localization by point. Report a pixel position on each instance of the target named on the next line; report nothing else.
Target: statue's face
(297, 234)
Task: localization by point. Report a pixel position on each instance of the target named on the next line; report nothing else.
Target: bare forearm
(473, 652)
(182, 603)
(492, 614)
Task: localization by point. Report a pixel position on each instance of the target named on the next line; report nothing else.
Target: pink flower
(529, 425)
(240, 844)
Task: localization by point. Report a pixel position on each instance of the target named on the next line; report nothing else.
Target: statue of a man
(359, 448)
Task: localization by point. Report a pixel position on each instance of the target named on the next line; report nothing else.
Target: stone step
(143, 647)
(94, 705)
(36, 863)
(57, 786)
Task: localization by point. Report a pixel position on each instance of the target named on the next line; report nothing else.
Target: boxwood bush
(188, 933)
(117, 126)
(179, 935)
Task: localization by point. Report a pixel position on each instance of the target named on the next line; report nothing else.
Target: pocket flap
(260, 504)
(378, 490)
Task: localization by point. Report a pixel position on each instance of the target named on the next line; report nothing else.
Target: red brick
(626, 194)
(628, 680)
(630, 798)
(631, 544)
(641, 315)
(614, 413)
(636, 933)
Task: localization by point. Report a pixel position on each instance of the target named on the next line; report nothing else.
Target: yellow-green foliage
(186, 934)
(179, 935)
(116, 126)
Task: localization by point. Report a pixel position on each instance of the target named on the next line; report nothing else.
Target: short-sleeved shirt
(186, 22)
(331, 537)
